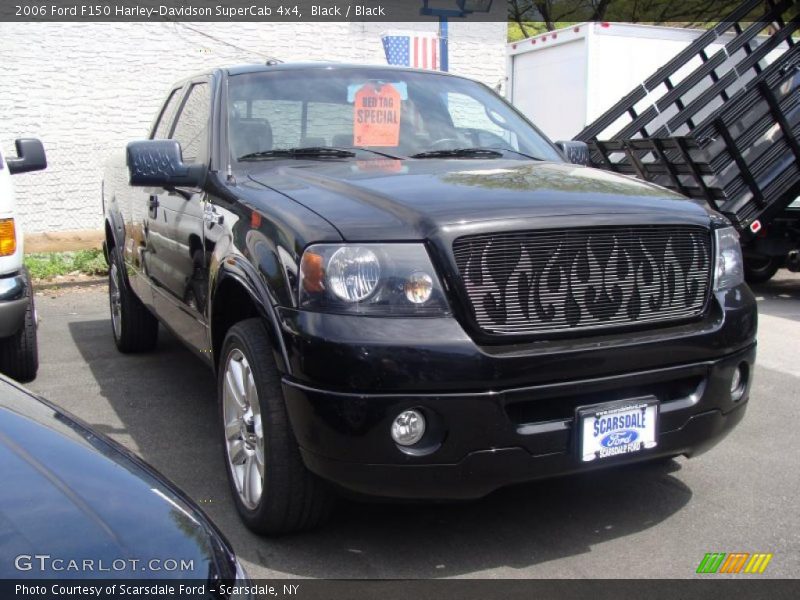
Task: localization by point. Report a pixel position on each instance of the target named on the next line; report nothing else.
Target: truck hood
(413, 199)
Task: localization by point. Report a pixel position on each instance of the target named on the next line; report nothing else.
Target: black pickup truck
(407, 291)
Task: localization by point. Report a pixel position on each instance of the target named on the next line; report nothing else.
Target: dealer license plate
(617, 428)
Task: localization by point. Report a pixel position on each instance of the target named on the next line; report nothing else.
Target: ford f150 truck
(407, 291)
(19, 355)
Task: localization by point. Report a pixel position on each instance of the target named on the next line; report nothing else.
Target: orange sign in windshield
(376, 117)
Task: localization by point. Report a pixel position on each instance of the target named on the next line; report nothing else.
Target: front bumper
(496, 448)
(498, 416)
(13, 302)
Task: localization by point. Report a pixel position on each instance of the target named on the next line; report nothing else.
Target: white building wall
(86, 89)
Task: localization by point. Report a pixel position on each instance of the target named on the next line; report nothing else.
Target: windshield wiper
(311, 151)
(460, 153)
(517, 152)
(386, 154)
(471, 153)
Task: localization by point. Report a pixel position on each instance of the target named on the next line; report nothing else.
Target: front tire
(19, 353)
(134, 327)
(758, 269)
(273, 491)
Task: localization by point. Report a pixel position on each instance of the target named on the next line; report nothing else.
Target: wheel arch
(114, 234)
(237, 295)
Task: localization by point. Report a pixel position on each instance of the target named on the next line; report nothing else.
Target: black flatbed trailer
(724, 127)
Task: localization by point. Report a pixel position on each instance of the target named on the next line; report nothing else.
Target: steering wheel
(451, 142)
(502, 146)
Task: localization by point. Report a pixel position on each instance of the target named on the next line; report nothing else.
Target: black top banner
(551, 12)
(283, 11)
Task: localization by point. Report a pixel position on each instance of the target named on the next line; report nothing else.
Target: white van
(19, 357)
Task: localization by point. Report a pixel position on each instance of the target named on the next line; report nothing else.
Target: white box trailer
(563, 80)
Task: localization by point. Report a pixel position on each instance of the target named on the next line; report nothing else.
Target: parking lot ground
(642, 521)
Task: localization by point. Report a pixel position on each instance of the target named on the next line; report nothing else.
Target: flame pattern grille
(585, 278)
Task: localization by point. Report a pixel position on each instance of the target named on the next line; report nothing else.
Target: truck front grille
(578, 279)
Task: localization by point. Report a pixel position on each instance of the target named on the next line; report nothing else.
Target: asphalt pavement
(641, 521)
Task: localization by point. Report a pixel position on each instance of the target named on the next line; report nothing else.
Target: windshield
(392, 112)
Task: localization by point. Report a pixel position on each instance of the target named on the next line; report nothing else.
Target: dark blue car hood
(72, 494)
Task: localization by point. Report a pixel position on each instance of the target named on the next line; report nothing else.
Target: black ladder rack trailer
(723, 127)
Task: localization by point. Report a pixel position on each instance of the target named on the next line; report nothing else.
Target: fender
(240, 270)
(114, 224)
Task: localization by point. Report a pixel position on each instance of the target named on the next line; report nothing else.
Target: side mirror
(159, 163)
(576, 152)
(30, 156)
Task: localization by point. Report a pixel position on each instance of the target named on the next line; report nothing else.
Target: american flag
(417, 50)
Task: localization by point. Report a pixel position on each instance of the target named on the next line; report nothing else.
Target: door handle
(152, 206)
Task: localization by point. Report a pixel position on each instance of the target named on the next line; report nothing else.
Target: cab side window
(191, 130)
(167, 113)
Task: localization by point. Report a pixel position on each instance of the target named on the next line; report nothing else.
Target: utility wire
(226, 43)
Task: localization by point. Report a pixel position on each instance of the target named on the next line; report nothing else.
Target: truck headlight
(353, 273)
(377, 279)
(729, 265)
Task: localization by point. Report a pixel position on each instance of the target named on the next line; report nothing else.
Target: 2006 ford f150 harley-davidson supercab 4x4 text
(406, 290)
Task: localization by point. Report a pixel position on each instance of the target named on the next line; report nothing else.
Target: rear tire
(19, 353)
(134, 327)
(273, 491)
(758, 269)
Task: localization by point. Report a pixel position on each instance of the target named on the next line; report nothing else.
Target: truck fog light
(418, 287)
(408, 427)
(738, 382)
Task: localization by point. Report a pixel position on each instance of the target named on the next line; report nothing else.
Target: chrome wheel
(244, 434)
(115, 300)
